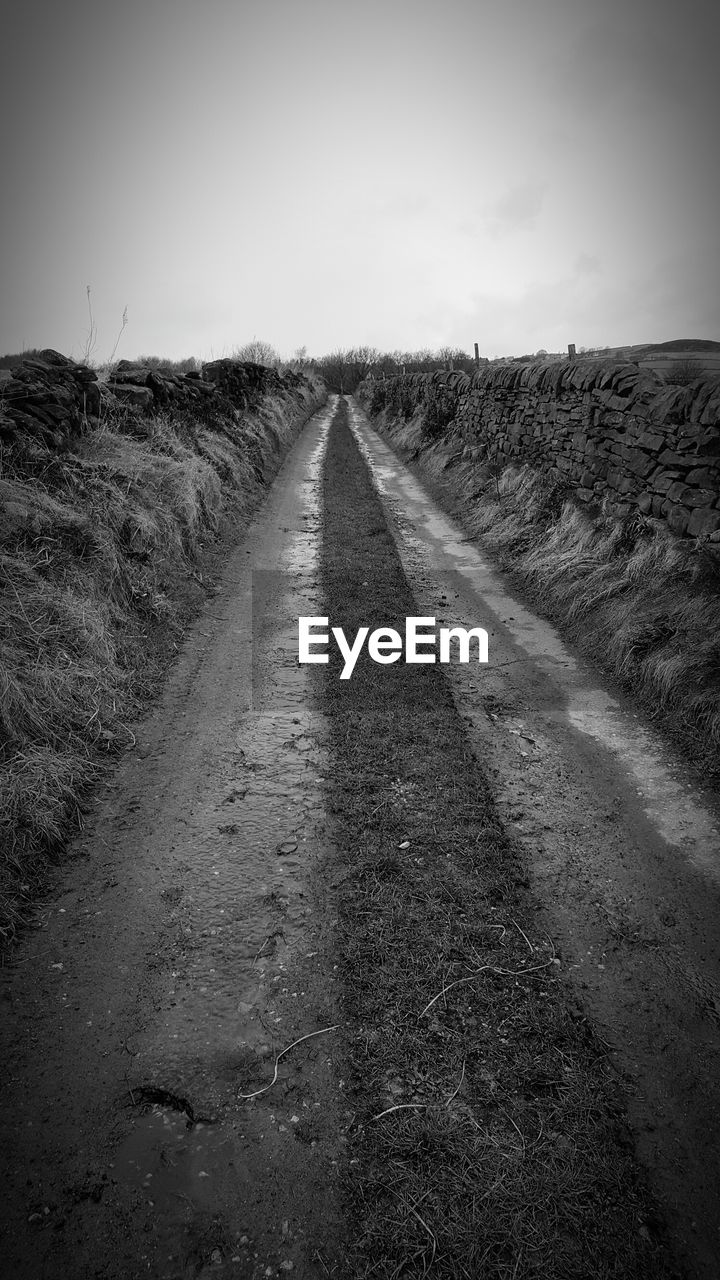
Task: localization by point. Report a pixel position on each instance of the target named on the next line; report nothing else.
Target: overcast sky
(318, 173)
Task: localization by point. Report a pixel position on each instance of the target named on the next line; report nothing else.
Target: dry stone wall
(615, 435)
(50, 398)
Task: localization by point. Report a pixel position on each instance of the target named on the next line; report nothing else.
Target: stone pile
(614, 434)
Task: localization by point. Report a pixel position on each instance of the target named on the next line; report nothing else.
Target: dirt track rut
(187, 943)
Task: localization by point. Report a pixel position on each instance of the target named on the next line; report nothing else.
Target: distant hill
(679, 344)
(680, 358)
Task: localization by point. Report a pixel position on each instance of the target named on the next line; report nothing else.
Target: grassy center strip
(487, 1139)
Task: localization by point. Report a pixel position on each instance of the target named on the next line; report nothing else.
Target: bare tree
(683, 372)
(343, 370)
(258, 352)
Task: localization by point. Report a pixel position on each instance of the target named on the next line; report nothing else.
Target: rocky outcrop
(612, 434)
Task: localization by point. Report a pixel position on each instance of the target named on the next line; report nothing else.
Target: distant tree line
(343, 370)
(14, 358)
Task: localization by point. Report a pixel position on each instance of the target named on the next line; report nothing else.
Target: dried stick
(281, 1054)
(510, 973)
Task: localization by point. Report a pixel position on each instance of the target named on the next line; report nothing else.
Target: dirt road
(174, 1099)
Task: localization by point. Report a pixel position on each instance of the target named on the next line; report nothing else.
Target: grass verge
(101, 552)
(644, 605)
(488, 1138)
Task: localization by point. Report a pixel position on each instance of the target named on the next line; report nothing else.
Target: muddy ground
(225, 990)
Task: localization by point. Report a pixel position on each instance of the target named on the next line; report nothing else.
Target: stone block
(678, 491)
(703, 522)
(651, 440)
(618, 508)
(617, 402)
(609, 419)
(676, 516)
(710, 415)
(670, 406)
(709, 442)
(700, 497)
(670, 458)
(660, 480)
(705, 477)
(141, 397)
(703, 393)
(639, 463)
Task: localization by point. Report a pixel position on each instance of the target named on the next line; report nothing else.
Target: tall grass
(98, 549)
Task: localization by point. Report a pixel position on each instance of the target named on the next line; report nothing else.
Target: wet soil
(175, 1036)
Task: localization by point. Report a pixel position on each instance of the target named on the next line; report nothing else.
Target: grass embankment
(641, 603)
(100, 570)
(488, 1140)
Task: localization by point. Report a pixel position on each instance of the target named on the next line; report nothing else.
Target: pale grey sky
(406, 173)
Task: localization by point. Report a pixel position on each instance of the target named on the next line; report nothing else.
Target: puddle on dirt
(165, 1157)
(679, 818)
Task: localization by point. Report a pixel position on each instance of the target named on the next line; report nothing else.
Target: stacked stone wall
(51, 399)
(614, 434)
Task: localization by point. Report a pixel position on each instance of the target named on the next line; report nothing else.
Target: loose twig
(282, 1055)
(510, 973)
(402, 1106)
(524, 935)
